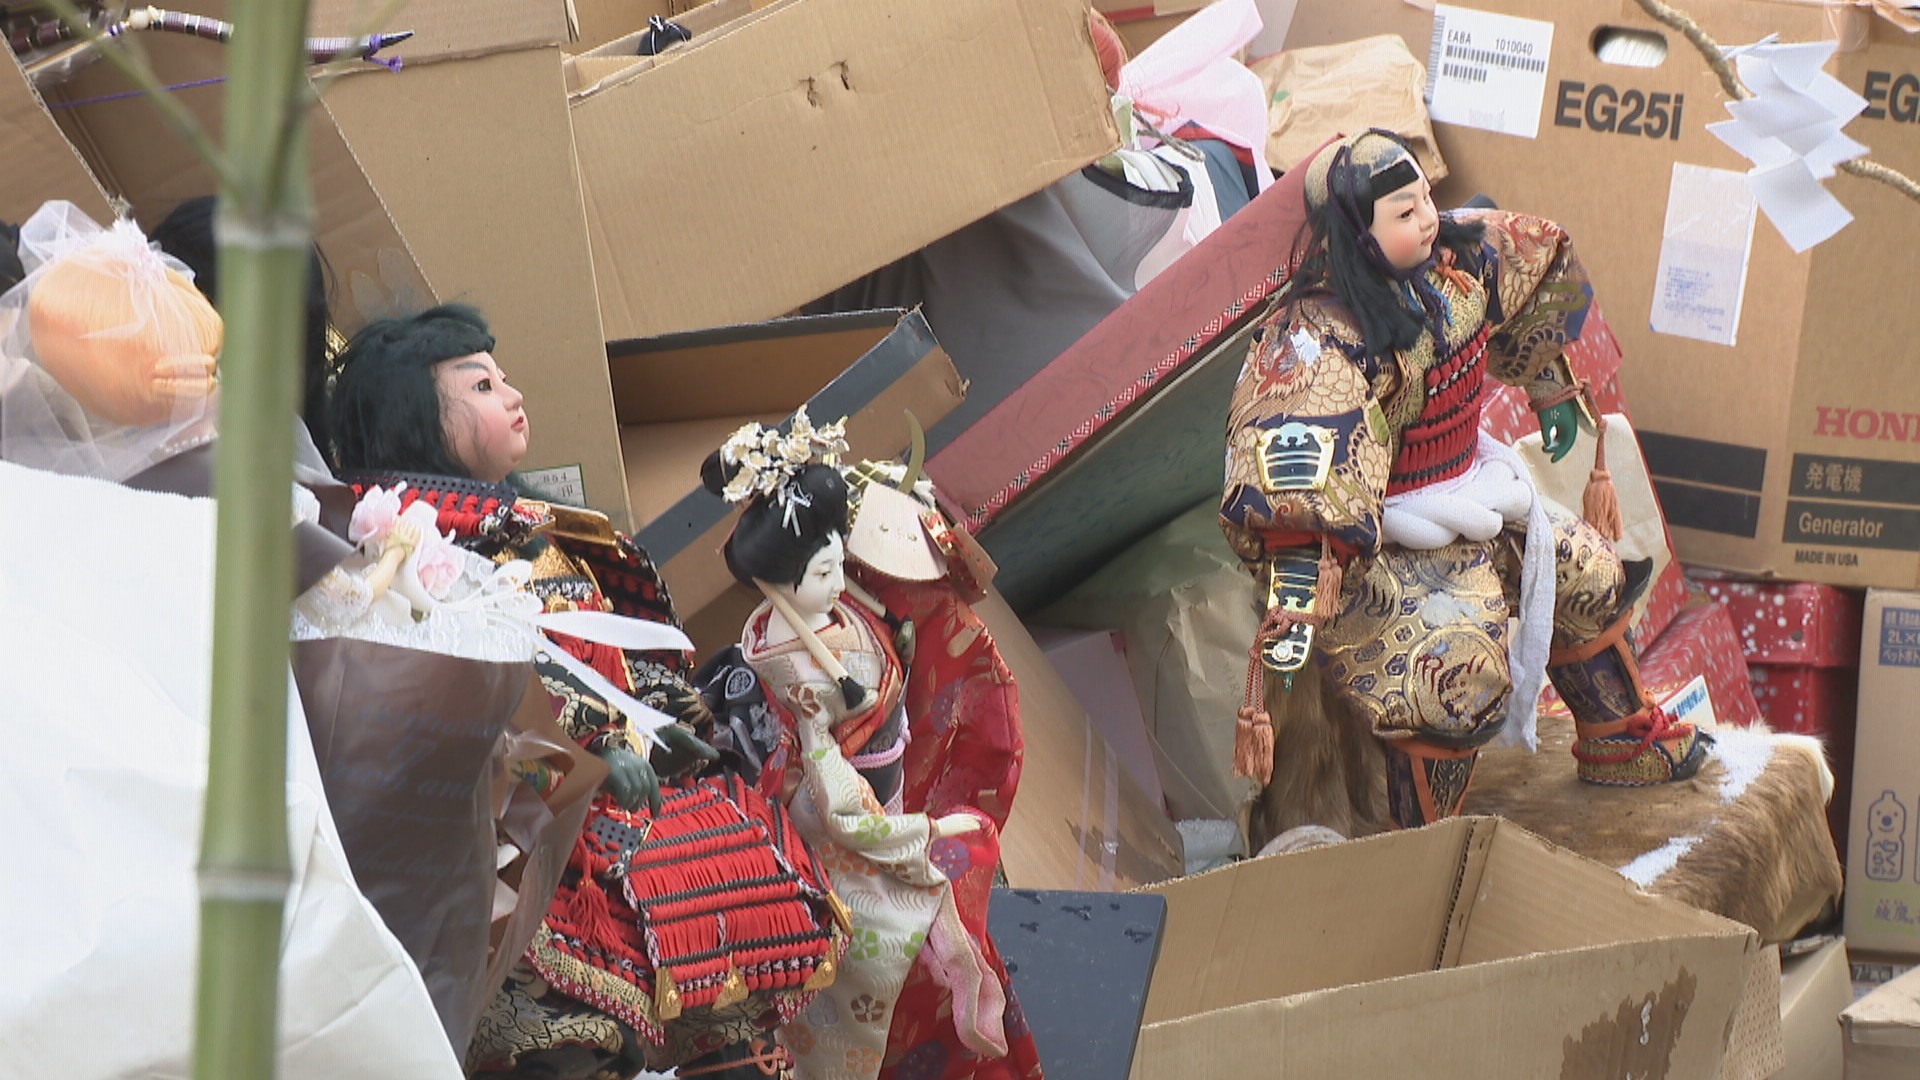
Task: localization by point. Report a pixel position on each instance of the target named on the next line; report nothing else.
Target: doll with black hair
(1390, 538)
(420, 401)
(922, 992)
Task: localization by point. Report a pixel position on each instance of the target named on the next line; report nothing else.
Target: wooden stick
(816, 648)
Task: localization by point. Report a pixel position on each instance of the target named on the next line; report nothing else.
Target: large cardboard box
(777, 158)
(1772, 390)
(1883, 1032)
(1471, 947)
(1883, 864)
(677, 397)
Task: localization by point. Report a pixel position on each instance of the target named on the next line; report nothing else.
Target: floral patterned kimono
(885, 866)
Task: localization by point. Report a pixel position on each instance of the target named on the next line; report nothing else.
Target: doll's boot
(1621, 737)
(1426, 781)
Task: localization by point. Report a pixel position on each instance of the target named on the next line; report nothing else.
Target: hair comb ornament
(765, 461)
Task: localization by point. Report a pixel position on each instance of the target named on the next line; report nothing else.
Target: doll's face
(1405, 223)
(823, 581)
(481, 417)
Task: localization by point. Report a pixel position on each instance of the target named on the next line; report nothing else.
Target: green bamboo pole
(264, 228)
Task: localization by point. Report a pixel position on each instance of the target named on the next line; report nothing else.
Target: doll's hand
(955, 825)
(1558, 426)
(677, 750)
(630, 780)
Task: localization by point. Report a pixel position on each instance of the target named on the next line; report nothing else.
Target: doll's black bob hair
(385, 411)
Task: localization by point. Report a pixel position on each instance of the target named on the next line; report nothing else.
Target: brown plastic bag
(413, 749)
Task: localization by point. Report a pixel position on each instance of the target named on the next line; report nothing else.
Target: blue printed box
(1883, 845)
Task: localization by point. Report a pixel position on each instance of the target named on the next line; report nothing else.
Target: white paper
(1797, 205)
(1488, 71)
(1704, 249)
(1790, 130)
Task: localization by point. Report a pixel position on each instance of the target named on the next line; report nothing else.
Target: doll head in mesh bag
(111, 351)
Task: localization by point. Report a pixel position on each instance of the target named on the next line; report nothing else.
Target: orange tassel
(1600, 503)
(1326, 597)
(1253, 746)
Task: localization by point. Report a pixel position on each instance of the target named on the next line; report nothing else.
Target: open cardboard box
(678, 397)
(1471, 947)
(785, 153)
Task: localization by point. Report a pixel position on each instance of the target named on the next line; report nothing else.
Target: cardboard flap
(447, 29)
(619, 60)
(37, 163)
(1889, 1016)
(1283, 925)
(1533, 897)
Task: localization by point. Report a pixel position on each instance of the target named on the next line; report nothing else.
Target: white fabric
(1195, 223)
(1495, 491)
(105, 631)
(1193, 73)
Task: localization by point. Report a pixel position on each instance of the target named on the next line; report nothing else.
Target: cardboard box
(1079, 820)
(1883, 865)
(676, 398)
(1471, 947)
(1883, 1032)
(1814, 988)
(1784, 433)
(817, 140)
(453, 179)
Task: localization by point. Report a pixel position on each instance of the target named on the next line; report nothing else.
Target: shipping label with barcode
(1488, 71)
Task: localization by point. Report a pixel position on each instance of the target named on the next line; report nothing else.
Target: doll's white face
(1406, 223)
(823, 582)
(485, 427)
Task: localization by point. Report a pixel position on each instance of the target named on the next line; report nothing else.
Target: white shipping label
(1704, 250)
(1488, 71)
(562, 485)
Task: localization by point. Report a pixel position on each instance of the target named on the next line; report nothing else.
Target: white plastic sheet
(105, 633)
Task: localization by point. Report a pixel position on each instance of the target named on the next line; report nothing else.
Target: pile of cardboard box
(642, 230)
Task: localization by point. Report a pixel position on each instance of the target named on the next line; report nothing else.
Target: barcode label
(1488, 71)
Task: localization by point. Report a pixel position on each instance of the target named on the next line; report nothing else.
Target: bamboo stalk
(264, 228)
